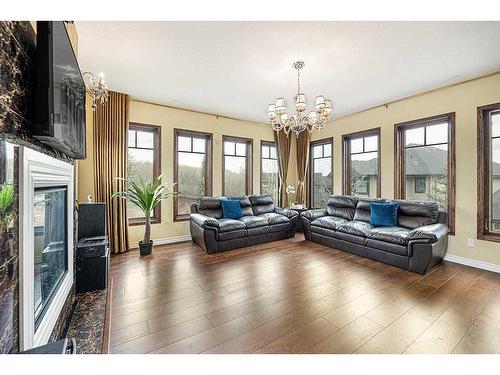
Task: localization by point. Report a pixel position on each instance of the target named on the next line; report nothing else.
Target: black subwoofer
(92, 273)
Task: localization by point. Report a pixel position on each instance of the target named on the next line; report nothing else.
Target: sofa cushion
(227, 225)
(257, 231)
(341, 206)
(387, 247)
(231, 208)
(323, 231)
(360, 240)
(384, 214)
(396, 235)
(362, 212)
(210, 206)
(414, 214)
(328, 222)
(356, 228)
(254, 221)
(231, 235)
(246, 205)
(279, 227)
(262, 204)
(274, 218)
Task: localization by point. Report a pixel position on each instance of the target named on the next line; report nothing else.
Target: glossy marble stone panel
(17, 75)
(87, 324)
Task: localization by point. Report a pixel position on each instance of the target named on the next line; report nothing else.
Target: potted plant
(146, 195)
(7, 214)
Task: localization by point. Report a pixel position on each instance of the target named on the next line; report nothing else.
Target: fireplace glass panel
(50, 245)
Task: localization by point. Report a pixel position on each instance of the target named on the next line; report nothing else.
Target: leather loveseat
(416, 243)
(262, 222)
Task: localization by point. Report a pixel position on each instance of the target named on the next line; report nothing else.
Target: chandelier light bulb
(320, 103)
(280, 106)
(313, 117)
(300, 103)
(271, 112)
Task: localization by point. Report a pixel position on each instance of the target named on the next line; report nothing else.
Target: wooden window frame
(483, 172)
(209, 166)
(318, 142)
(399, 159)
(156, 130)
(273, 144)
(346, 178)
(249, 162)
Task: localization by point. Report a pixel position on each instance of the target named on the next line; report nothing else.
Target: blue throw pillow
(231, 209)
(384, 214)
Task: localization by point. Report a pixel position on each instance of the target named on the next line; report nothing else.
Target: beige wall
(85, 168)
(169, 118)
(463, 99)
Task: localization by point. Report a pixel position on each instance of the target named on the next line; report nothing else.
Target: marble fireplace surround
(17, 90)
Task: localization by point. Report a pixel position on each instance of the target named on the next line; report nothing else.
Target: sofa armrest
(286, 212)
(313, 214)
(432, 232)
(204, 221)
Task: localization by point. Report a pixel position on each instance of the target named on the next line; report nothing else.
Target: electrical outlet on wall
(471, 242)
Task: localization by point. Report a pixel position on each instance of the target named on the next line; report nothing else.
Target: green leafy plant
(146, 195)
(6, 205)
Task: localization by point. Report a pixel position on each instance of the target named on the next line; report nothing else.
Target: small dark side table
(300, 228)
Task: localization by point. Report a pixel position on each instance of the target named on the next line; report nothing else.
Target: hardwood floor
(295, 296)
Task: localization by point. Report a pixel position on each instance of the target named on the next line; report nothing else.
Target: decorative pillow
(231, 209)
(384, 214)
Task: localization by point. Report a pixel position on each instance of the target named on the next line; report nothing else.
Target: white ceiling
(236, 68)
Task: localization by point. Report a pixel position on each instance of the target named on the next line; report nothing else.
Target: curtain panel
(283, 144)
(110, 162)
(303, 142)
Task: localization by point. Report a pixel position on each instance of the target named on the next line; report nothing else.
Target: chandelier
(97, 88)
(297, 123)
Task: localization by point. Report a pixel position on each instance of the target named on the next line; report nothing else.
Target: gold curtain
(283, 143)
(303, 141)
(110, 161)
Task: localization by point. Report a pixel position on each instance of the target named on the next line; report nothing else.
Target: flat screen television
(60, 92)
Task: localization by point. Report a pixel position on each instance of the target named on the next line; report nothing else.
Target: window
(192, 170)
(143, 163)
(269, 170)
(320, 172)
(237, 167)
(361, 172)
(425, 162)
(488, 172)
(420, 184)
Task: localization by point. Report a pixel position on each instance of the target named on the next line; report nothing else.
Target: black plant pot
(145, 249)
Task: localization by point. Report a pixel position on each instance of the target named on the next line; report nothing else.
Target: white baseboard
(164, 241)
(472, 263)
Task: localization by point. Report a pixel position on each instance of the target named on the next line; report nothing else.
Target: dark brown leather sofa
(417, 243)
(262, 222)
